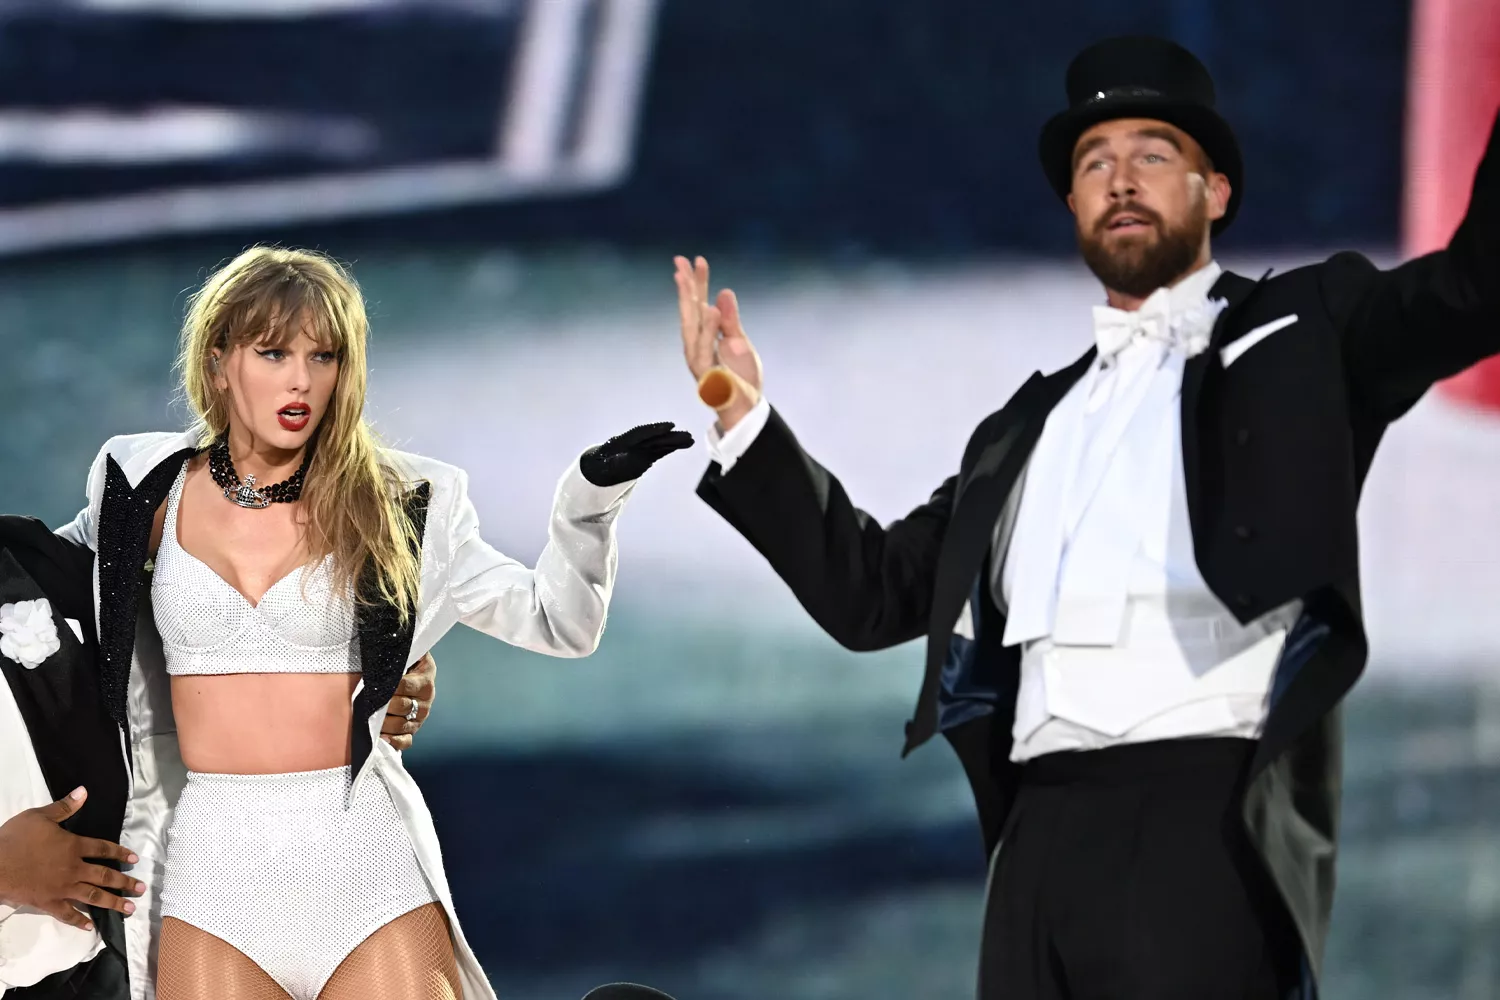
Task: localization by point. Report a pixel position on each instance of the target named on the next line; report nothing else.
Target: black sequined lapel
(124, 535)
(384, 643)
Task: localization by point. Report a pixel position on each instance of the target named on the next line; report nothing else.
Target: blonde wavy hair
(352, 498)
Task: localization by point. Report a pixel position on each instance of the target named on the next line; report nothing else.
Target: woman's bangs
(275, 319)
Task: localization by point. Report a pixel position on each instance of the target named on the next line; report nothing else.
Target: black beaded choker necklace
(246, 494)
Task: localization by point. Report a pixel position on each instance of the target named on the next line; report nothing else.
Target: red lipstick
(293, 418)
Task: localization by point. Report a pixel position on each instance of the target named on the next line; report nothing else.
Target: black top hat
(1141, 78)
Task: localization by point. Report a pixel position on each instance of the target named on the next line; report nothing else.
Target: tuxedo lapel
(1005, 442)
(384, 642)
(126, 513)
(1237, 291)
(989, 483)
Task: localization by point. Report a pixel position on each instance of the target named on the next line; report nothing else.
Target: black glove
(627, 456)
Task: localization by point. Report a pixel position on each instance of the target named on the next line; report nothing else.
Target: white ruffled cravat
(1075, 453)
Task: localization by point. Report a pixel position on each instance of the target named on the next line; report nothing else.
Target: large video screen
(124, 118)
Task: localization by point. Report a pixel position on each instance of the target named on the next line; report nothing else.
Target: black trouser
(1126, 874)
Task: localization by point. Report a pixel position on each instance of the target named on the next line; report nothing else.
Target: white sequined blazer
(557, 608)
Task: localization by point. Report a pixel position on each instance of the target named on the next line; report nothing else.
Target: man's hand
(415, 691)
(43, 866)
(718, 353)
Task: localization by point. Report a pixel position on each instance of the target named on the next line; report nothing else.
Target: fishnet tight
(410, 958)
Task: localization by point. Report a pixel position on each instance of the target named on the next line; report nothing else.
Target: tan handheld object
(718, 388)
(721, 389)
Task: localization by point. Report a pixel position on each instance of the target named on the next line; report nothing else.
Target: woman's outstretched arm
(558, 607)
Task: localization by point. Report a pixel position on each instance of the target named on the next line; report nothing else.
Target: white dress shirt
(1122, 640)
(33, 944)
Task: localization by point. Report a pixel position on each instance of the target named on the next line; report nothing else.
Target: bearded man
(1140, 592)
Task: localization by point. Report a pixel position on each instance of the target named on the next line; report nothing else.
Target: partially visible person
(64, 899)
(63, 789)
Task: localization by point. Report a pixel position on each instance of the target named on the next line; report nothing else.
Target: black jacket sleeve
(1429, 318)
(868, 587)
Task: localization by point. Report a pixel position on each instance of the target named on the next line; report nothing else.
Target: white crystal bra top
(207, 627)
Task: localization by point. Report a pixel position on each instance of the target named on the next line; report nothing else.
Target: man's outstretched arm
(868, 586)
(1430, 318)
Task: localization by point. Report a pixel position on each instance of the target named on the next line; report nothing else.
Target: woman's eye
(270, 355)
(325, 357)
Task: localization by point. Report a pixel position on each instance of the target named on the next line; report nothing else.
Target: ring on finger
(411, 713)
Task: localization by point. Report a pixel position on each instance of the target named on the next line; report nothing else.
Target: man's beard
(1138, 267)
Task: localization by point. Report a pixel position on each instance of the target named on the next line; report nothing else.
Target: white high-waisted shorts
(275, 865)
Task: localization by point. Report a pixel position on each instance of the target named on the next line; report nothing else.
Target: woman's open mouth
(293, 418)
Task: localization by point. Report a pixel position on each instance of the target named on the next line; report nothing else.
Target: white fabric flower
(27, 633)
(1194, 327)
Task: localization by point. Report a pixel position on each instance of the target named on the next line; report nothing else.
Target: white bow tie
(1154, 320)
(1115, 328)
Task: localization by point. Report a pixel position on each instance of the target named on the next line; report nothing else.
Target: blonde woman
(299, 564)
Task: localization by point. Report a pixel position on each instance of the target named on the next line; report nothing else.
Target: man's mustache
(1129, 208)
